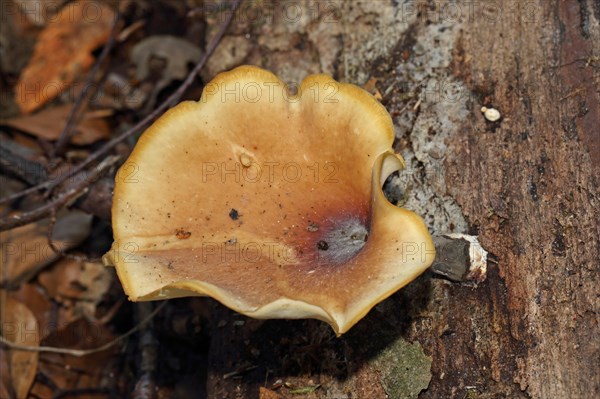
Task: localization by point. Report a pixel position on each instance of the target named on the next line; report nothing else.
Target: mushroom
(270, 203)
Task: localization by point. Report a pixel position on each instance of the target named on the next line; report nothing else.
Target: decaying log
(527, 184)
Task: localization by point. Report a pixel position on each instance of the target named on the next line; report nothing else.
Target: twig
(573, 93)
(67, 131)
(589, 60)
(23, 169)
(129, 30)
(110, 313)
(39, 213)
(158, 111)
(82, 352)
(23, 193)
(239, 371)
(96, 201)
(61, 200)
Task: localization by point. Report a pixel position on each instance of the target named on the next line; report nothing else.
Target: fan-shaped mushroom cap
(270, 203)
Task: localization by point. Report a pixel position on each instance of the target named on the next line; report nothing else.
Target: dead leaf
(48, 124)
(34, 297)
(82, 283)
(25, 250)
(73, 279)
(20, 327)
(63, 52)
(265, 393)
(73, 372)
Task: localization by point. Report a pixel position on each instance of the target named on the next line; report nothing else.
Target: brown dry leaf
(25, 250)
(265, 393)
(20, 327)
(34, 297)
(83, 284)
(50, 317)
(63, 52)
(69, 278)
(48, 124)
(73, 372)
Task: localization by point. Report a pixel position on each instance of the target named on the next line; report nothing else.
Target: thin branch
(39, 213)
(573, 93)
(17, 166)
(61, 200)
(23, 193)
(67, 131)
(82, 352)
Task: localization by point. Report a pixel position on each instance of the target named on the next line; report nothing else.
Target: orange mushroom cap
(270, 203)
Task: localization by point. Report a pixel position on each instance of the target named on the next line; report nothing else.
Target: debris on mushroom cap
(280, 198)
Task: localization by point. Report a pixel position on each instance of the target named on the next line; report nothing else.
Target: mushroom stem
(460, 258)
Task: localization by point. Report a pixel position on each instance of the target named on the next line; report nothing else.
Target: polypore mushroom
(268, 202)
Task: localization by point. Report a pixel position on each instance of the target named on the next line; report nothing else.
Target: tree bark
(526, 184)
(530, 186)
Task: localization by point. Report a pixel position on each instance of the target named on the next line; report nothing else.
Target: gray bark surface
(526, 184)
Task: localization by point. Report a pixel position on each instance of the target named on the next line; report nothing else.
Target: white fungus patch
(491, 114)
(428, 124)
